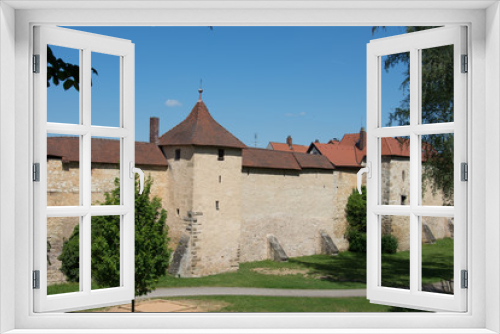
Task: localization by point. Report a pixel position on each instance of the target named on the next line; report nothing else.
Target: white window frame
(414, 44)
(85, 44)
(483, 20)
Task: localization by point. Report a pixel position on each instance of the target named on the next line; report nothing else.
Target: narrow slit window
(178, 154)
(217, 207)
(221, 155)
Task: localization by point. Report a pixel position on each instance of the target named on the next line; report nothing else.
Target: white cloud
(289, 114)
(173, 103)
(302, 113)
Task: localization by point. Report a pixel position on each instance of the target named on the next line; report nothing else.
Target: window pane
(105, 90)
(63, 170)
(63, 84)
(63, 249)
(105, 252)
(395, 171)
(438, 169)
(395, 89)
(105, 171)
(395, 250)
(437, 254)
(437, 84)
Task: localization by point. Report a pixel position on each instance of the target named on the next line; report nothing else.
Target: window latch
(36, 63)
(139, 171)
(367, 170)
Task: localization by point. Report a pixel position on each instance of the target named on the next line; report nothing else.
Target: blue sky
(307, 82)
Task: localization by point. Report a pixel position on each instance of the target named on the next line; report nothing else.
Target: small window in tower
(178, 154)
(220, 178)
(178, 211)
(221, 154)
(403, 175)
(403, 199)
(217, 205)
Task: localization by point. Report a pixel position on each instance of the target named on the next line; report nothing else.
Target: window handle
(139, 171)
(367, 170)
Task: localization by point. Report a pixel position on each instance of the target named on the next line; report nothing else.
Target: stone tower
(204, 210)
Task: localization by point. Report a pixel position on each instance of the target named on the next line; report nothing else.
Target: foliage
(437, 107)
(389, 244)
(357, 241)
(356, 210)
(60, 71)
(151, 252)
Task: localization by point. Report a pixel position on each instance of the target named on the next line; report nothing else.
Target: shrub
(356, 210)
(389, 244)
(151, 252)
(357, 241)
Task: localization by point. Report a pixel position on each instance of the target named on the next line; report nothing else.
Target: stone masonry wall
(63, 189)
(396, 191)
(290, 205)
(216, 237)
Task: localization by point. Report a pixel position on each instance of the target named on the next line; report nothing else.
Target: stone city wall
(63, 189)
(292, 206)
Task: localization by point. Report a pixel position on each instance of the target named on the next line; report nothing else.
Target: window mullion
(86, 165)
(414, 168)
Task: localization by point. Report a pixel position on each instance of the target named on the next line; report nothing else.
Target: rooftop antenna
(255, 139)
(200, 90)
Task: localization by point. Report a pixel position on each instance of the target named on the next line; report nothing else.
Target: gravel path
(213, 291)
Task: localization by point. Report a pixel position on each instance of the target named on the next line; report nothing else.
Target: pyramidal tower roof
(200, 129)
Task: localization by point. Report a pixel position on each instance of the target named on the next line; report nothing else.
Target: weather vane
(200, 90)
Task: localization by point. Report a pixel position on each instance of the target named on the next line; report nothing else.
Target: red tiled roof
(347, 154)
(103, 151)
(285, 147)
(264, 158)
(199, 128)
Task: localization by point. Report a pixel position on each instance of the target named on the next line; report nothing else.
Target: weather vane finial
(200, 90)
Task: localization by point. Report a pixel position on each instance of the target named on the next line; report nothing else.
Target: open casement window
(65, 145)
(407, 208)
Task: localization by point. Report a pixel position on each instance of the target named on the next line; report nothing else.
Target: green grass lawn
(344, 271)
(294, 304)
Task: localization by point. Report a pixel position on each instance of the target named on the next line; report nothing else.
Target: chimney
(289, 142)
(154, 128)
(362, 139)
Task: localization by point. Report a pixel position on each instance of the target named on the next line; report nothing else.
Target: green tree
(59, 71)
(355, 210)
(437, 107)
(151, 239)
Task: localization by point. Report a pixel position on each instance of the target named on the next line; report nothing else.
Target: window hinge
(465, 63)
(465, 279)
(36, 63)
(36, 279)
(464, 172)
(36, 172)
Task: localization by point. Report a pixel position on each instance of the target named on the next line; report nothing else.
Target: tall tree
(437, 107)
(59, 71)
